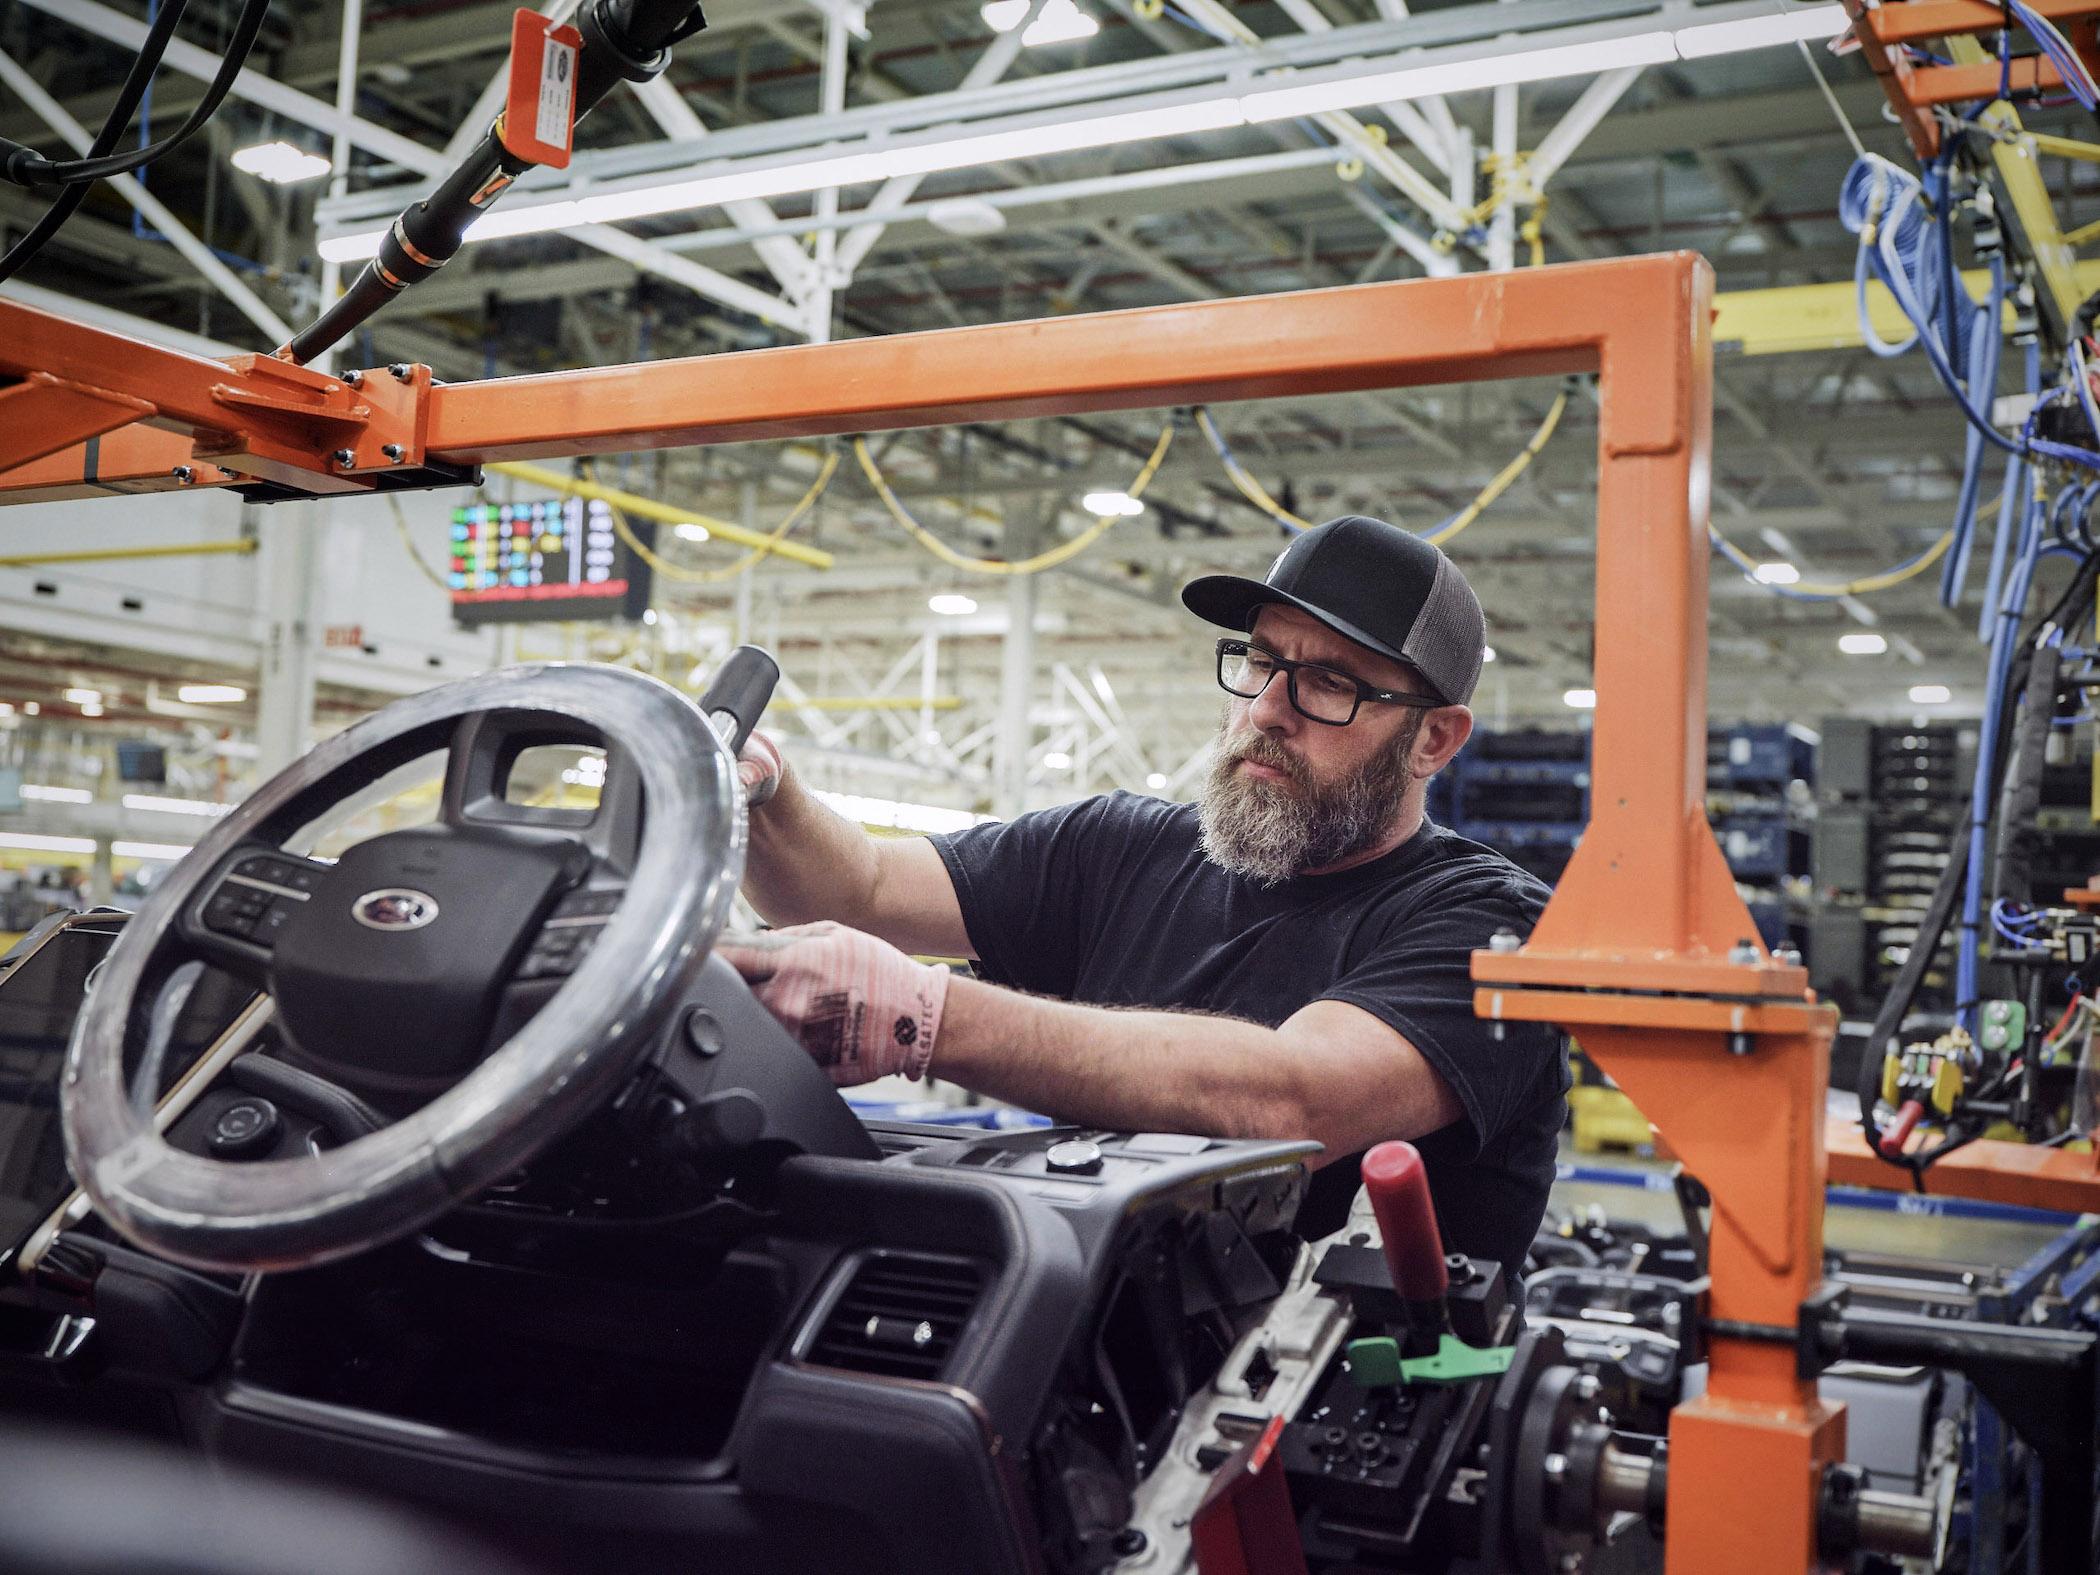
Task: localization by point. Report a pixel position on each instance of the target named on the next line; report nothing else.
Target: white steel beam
(150, 207)
(1578, 122)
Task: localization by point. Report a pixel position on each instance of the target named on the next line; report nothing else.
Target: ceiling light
(1580, 699)
(30, 842)
(1487, 654)
(1494, 68)
(691, 532)
(211, 694)
(1156, 780)
(1930, 694)
(280, 163)
(1810, 24)
(90, 708)
(952, 604)
(1119, 504)
(31, 708)
(84, 696)
(175, 806)
(1059, 22)
(868, 166)
(965, 217)
(41, 793)
(1862, 644)
(1058, 760)
(155, 852)
(649, 616)
(1777, 574)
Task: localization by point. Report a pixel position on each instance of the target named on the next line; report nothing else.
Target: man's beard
(1270, 831)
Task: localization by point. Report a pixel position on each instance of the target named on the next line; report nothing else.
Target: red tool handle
(1897, 1132)
(1414, 1250)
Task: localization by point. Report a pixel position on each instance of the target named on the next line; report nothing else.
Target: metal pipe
(1897, 1523)
(662, 513)
(194, 549)
(1622, 1482)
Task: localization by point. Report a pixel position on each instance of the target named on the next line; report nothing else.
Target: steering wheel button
(247, 1126)
(273, 920)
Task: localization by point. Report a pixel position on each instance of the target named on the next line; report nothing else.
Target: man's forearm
(808, 863)
(1129, 1070)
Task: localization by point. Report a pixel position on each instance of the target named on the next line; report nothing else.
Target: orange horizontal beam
(1317, 341)
(1915, 20)
(1964, 84)
(1988, 1170)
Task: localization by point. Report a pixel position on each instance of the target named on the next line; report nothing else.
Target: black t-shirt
(1111, 901)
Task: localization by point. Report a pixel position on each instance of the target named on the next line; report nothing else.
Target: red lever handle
(1897, 1132)
(1414, 1249)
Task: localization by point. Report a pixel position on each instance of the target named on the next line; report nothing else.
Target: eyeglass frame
(1229, 646)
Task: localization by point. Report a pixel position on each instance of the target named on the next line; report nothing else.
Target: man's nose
(1271, 710)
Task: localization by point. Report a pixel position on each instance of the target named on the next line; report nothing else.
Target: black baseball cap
(1370, 582)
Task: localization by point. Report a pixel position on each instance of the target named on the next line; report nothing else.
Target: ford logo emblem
(394, 908)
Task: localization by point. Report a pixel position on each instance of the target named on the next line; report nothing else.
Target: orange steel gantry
(1645, 950)
(1914, 90)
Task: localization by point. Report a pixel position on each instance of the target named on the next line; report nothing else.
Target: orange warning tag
(540, 115)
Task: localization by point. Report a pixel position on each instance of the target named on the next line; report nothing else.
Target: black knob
(247, 1126)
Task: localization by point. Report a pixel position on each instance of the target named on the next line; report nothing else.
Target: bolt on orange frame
(1645, 951)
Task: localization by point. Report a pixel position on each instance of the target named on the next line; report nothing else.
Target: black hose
(2012, 863)
(113, 126)
(623, 40)
(36, 170)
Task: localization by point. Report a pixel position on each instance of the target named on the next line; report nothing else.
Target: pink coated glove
(760, 768)
(859, 1006)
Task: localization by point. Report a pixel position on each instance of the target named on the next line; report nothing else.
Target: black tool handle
(736, 697)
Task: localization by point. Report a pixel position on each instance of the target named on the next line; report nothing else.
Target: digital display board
(544, 561)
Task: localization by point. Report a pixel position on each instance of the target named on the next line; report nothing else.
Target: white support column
(1502, 228)
(740, 612)
(816, 305)
(1016, 693)
(287, 575)
(1578, 122)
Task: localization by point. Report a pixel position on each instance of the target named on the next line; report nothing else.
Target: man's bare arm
(807, 863)
(1332, 1072)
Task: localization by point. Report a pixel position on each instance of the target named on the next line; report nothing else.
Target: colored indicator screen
(544, 561)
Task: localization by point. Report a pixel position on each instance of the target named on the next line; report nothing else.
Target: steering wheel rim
(278, 1214)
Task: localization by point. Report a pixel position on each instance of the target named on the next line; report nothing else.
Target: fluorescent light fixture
(211, 694)
(1119, 504)
(38, 793)
(84, 696)
(867, 163)
(692, 532)
(153, 852)
(175, 806)
(29, 842)
(280, 163)
(1777, 574)
(1487, 654)
(1496, 68)
(1156, 780)
(902, 817)
(1058, 760)
(1059, 22)
(649, 616)
(1808, 24)
(31, 708)
(952, 604)
(1930, 694)
(90, 708)
(1862, 644)
(1580, 699)
(857, 168)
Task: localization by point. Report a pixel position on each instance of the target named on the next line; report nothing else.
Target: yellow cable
(1859, 587)
(408, 543)
(1503, 478)
(1063, 552)
(1243, 479)
(672, 571)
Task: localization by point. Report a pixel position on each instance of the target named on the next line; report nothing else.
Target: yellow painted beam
(664, 513)
(2021, 174)
(195, 549)
(1796, 317)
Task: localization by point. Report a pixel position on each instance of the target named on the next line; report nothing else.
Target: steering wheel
(394, 968)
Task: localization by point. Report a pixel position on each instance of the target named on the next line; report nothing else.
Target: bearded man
(1287, 958)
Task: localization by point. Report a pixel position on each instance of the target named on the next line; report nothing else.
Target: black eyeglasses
(1319, 694)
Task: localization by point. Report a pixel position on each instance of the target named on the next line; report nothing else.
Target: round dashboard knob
(245, 1127)
(1073, 1157)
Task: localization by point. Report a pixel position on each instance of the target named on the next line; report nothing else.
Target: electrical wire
(136, 81)
(672, 571)
(35, 170)
(1064, 552)
(415, 553)
(1821, 591)
(1253, 491)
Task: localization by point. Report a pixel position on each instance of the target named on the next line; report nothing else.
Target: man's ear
(1443, 733)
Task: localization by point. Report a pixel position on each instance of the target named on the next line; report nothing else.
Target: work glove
(860, 1007)
(759, 767)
